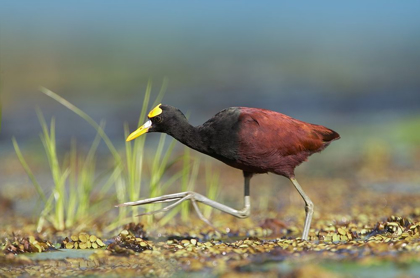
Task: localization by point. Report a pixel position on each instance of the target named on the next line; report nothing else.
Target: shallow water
(62, 254)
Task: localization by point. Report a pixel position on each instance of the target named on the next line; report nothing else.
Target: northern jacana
(251, 139)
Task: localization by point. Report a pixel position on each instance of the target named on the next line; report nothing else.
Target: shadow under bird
(251, 139)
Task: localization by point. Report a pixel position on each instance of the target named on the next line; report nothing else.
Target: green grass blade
(59, 178)
(86, 178)
(60, 200)
(185, 213)
(45, 212)
(53, 154)
(121, 189)
(171, 180)
(132, 171)
(162, 91)
(42, 121)
(95, 144)
(186, 166)
(213, 189)
(73, 196)
(164, 164)
(171, 214)
(28, 171)
(116, 173)
(88, 119)
(156, 175)
(145, 103)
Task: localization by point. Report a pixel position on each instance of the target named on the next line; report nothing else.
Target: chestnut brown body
(257, 140)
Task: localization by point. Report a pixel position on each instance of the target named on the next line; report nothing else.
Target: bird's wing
(272, 133)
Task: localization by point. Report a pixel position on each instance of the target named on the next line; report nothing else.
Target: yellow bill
(144, 128)
(141, 130)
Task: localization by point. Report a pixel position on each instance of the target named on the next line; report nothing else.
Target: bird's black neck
(190, 136)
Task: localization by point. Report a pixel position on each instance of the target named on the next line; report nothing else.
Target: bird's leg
(196, 197)
(167, 208)
(201, 215)
(309, 208)
(161, 199)
(247, 199)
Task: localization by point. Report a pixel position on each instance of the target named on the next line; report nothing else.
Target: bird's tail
(327, 135)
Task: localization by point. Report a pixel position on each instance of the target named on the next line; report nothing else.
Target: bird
(253, 140)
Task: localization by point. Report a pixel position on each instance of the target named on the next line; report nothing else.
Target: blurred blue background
(333, 63)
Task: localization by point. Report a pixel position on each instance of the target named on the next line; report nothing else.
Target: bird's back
(273, 142)
(259, 141)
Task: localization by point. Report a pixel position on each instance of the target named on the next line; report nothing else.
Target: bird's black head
(162, 118)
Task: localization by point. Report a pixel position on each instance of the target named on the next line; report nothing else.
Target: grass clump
(69, 204)
(65, 204)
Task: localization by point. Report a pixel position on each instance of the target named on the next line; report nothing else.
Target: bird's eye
(158, 119)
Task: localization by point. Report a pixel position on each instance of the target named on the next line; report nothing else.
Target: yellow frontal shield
(155, 111)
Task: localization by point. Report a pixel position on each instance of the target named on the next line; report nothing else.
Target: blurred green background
(351, 66)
